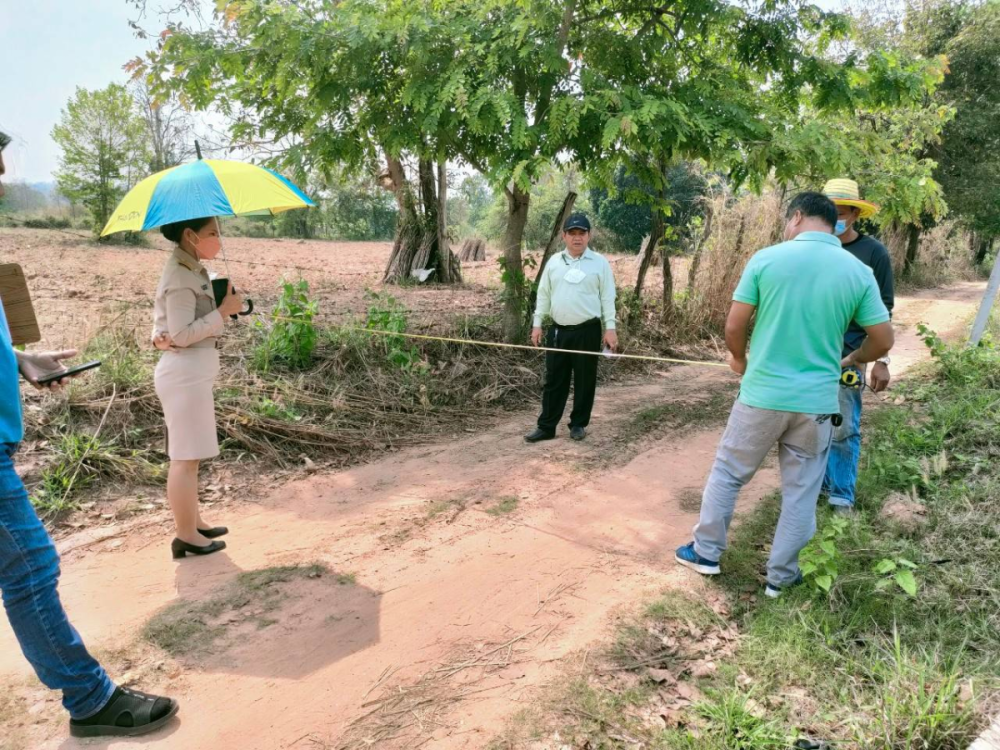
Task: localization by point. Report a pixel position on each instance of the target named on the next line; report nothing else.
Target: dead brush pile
(289, 388)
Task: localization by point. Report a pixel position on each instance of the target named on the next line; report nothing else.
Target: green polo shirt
(806, 291)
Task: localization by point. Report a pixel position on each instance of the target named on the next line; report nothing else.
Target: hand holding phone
(67, 373)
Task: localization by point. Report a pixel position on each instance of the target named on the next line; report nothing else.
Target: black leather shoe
(577, 433)
(180, 548)
(214, 533)
(538, 434)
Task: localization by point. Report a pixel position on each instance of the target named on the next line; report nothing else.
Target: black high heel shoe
(180, 548)
(214, 533)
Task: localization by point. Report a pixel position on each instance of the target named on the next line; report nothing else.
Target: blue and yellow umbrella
(207, 187)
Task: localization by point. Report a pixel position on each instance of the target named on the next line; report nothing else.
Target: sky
(47, 49)
(50, 47)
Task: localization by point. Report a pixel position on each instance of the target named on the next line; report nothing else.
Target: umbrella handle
(248, 310)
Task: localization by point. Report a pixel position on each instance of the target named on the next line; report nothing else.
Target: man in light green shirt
(805, 292)
(577, 291)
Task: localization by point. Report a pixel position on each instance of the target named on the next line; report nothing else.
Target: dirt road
(469, 570)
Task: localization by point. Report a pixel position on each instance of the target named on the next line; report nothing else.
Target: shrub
(291, 339)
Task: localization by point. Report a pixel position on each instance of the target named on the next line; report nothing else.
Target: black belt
(584, 324)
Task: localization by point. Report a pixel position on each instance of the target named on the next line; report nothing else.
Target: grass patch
(504, 505)
(192, 628)
(894, 641)
(680, 415)
(79, 461)
(125, 363)
(450, 508)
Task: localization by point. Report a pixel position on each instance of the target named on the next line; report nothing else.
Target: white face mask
(840, 228)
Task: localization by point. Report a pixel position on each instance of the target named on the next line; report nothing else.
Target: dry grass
(408, 713)
(944, 256)
(740, 228)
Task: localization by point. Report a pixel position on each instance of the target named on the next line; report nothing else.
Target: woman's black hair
(174, 231)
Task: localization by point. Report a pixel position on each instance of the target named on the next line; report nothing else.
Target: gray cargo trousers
(803, 446)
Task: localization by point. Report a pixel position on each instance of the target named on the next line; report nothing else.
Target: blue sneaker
(774, 592)
(687, 557)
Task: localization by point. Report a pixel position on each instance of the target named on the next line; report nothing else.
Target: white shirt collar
(585, 254)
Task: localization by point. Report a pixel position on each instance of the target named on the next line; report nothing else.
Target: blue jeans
(29, 570)
(845, 452)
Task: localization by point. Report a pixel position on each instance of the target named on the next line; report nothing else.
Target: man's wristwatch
(884, 360)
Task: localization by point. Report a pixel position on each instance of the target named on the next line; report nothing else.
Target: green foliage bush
(290, 338)
(385, 313)
(47, 222)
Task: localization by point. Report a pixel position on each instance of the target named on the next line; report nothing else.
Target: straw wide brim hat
(846, 193)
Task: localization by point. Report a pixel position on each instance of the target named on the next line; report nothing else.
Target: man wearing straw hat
(842, 469)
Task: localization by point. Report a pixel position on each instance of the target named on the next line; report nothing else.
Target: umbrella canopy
(207, 187)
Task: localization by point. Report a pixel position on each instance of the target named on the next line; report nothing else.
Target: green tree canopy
(511, 87)
(627, 213)
(104, 149)
(969, 154)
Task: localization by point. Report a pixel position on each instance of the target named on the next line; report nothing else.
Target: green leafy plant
(934, 342)
(385, 313)
(820, 560)
(291, 338)
(896, 571)
(272, 409)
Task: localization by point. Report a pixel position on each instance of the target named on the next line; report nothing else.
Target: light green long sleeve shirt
(575, 290)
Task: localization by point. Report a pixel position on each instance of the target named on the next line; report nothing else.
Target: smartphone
(68, 373)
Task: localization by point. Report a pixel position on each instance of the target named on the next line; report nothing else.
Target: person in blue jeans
(845, 451)
(29, 571)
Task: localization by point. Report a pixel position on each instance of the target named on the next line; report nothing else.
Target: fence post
(983, 316)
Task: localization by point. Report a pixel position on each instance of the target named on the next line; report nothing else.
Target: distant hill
(50, 191)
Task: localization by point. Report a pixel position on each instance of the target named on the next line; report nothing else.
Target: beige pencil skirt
(184, 381)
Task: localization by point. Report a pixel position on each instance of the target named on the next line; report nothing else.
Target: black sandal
(129, 713)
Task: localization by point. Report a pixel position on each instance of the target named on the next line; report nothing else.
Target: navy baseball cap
(577, 221)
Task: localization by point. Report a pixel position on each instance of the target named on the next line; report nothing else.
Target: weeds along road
(454, 578)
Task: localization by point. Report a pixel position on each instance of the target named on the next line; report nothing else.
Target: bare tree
(169, 127)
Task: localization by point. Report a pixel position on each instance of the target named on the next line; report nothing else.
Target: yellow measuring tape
(500, 345)
(526, 347)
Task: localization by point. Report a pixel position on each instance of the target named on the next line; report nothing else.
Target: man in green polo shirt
(805, 292)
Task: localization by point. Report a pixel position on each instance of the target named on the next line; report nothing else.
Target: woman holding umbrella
(184, 202)
(185, 310)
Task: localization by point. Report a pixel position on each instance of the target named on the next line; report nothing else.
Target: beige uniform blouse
(185, 304)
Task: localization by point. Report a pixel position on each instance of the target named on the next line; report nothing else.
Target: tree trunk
(473, 250)
(699, 248)
(408, 239)
(513, 272)
(428, 192)
(912, 247)
(983, 246)
(778, 230)
(668, 276)
(417, 244)
(449, 267)
(648, 252)
(550, 248)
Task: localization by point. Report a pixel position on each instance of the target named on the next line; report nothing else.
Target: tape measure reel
(850, 378)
